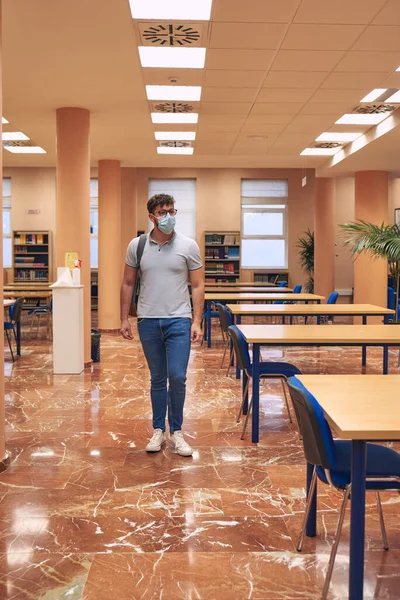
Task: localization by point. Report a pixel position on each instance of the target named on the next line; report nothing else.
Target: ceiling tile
(232, 60)
(226, 94)
(321, 37)
(276, 118)
(246, 138)
(247, 35)
(284, 95)
(210, 127)
(246, 148)
(213, 147)
(327, 108)
(224, 136)
(342, 96)
(225, 108)
(355, 81)
(262, 128)
(162, 76)
(307, 60)
(338, 11)
(305, 123)
(276, 108)
(295, 141)
(389, 15)
(224, 118)
(241, 79)
(393, 80)
(294, 79)
(380, 38)
(254, 11)
(369, 61)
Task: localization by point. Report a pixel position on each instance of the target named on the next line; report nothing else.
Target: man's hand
(126, 330)
(196, 332)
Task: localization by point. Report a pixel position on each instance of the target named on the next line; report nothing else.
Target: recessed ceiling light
(395, 98)
(398, 69)
(168, 150)
(4, 120)
(332, 136)
(362, 119)
(200, 10)
(172, 58)
(25, 149)
(175, 118)
(175, 136)
(320, 151)
(13, 136)
(173, 92)
(373, 95)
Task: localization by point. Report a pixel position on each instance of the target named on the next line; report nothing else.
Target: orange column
(73, 199)
(109, 244)
(324, 231)
(371, 204)
(128, 209)
(3, 458)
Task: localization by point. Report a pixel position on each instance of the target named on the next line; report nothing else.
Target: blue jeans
(166, 346)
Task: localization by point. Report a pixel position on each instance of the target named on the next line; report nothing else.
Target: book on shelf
(34, 239)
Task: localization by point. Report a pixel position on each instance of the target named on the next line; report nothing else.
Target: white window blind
(264, 224)
(7, 239)
(94, 223)
(184, 194)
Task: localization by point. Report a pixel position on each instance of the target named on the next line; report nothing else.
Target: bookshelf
(271, 277)
(94, 288)
(222, 256)
(31, 256)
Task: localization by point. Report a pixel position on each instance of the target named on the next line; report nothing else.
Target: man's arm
(127, 287)
(197, 283)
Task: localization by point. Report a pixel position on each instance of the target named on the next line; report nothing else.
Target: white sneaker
(156, 442)
(181, 445)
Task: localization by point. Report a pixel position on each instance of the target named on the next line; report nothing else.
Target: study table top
(309, 309)
(8, 303)
(26, 286)
(240, 283)
(317, 335)
(255, 290)
(31, 294)
(363, 407)
(257, 296)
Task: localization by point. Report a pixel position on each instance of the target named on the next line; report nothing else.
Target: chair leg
(246, 389)
(286, 401)
(223, 357)
(230, 361)
(307, 511)
(382, 522)
(9, 344)
(247, 418)
(335, 546)
(38, 323)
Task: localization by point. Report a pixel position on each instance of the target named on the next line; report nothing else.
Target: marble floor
(86, 514)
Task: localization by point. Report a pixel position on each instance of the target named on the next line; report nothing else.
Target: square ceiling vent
(174, 107)
(373, 108)
(172, 34)
(175, 144)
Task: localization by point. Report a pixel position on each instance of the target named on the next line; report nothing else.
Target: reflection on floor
(87, 514)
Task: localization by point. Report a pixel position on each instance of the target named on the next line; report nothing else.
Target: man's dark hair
(159, 200)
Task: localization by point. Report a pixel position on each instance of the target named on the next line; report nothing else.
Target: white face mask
(166, 224)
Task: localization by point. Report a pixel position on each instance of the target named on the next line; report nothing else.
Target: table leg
(385, 360)
(318, 319)
(256, 393)
(246, 400)
(18, 338)
(357, 520)
(385, 319)
(208, 319)
(238, 322)
(311, 526)
(364, 348)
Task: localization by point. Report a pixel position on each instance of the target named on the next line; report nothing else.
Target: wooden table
(26, 286)
(313, 335)
(240, 283)
(359, 408)
(8, 303)
(30, 294)
(245, 288)
(251, 296)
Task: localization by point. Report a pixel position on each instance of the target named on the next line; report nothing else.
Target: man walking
(165, 323)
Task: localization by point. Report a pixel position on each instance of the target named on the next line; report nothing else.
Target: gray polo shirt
(164, 271)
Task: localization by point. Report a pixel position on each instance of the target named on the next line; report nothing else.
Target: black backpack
(136, 289)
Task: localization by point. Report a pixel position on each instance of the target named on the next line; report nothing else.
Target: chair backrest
(282, 284)
(16, 310)
(297, 289)
(225, 316)
(332, 298)
(319, 448)
(241, 348)
(390, 298)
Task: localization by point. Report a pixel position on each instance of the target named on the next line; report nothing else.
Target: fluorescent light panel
(174, 92)
(25, 149)
(373, 95)
(398, 69)
(333, 136)
(172, 58)
(168, 150)
(4, 120)
(175, 118)
(14, 136)
(175, 136)
(319, 151)
(362, 119)
(198, 10)
(394, 98)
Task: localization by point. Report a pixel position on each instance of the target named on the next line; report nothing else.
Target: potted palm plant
(305, 245)
(381, 241)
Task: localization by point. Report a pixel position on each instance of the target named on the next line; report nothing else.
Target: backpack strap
(140, 249)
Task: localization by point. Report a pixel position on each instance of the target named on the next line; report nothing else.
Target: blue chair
(332, 464)
(296, 290)
(281, 370)
(331, 300)
(38, 312)
(15, 312)
(226, 320)
(283, 284)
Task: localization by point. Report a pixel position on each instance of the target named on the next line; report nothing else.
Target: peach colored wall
(219, 202)
(344, 213)
(324, 251)
(394, 197)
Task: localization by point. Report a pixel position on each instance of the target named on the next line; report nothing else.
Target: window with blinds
(264, 224)
(7, 239)
(184, 193)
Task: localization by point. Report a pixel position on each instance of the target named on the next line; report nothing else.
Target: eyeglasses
(163, 213)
